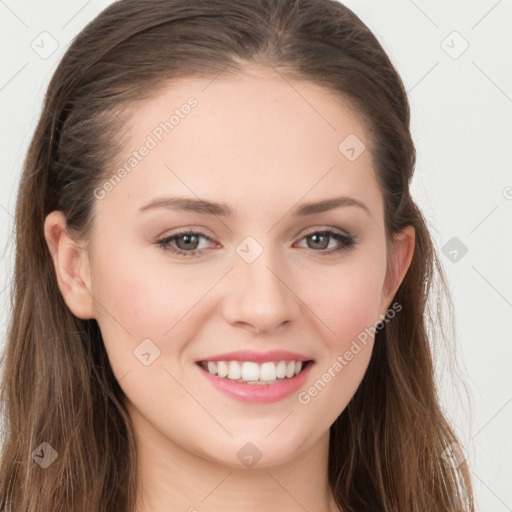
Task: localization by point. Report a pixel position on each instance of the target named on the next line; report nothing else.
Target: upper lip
(257, 357)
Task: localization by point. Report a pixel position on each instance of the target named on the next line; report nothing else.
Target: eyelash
(347, 242)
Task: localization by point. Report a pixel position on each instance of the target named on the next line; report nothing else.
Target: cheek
(141, 296)
(137, 301)
(349, 309)
(348, 299)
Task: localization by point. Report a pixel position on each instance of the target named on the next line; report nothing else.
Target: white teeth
(234, 372)
(281, 369)
(253, 373)
(268, 371)
(222, 369)
(250, 371)
(290, 369)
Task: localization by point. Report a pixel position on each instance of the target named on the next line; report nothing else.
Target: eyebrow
(202, 206)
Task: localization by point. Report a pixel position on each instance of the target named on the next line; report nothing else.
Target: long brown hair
(387, 447)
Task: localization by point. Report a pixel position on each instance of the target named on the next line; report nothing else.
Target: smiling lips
(256, 376)
(255, 367)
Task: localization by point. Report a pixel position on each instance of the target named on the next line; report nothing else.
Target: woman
(221, 281)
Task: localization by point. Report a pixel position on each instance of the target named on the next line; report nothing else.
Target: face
(172, 286)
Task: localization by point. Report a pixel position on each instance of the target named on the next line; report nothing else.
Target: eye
(186, 243)
(320, 240)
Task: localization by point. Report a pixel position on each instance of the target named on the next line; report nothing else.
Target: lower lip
(258, 393)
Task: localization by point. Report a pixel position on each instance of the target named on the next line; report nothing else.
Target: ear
(400, 258)
(71, 262)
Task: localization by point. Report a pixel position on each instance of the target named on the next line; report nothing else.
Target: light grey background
(461, 101)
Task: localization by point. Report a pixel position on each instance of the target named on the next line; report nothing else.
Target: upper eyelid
(320, 230)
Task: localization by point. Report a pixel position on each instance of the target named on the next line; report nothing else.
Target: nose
(260, 296)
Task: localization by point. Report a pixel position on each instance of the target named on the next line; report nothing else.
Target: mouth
(252, 382)
(256, 373)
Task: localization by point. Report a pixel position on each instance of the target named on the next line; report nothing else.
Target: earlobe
(71, 263)
(400, 261)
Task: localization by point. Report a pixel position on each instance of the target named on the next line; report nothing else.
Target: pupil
(316, 236)
(188, 239)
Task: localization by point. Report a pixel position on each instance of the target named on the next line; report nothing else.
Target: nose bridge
(259, 294)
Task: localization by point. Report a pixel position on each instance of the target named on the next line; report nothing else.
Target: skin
(263, 147)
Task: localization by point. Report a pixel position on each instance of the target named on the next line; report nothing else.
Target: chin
(259, 452)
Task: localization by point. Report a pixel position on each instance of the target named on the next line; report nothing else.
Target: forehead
(256, 137)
